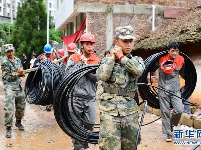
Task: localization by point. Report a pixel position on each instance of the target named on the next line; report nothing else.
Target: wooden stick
(61, 59)
(34, 69)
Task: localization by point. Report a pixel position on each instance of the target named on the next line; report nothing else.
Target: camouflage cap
(125, 32)
(8, 47)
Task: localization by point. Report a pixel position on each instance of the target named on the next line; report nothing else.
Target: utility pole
(11, 14)
(153, 17)
(48, 22)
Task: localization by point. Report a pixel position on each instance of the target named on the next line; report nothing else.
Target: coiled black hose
(63, 105)
(41, 84)
(150, 93)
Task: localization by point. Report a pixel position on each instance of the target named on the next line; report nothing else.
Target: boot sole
(21, 129)
(8, 136)
(168, 140)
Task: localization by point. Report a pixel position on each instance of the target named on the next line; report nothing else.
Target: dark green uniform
(14, 95)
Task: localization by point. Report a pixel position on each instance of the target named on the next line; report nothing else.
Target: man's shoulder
(180, 57)
(95, 58)
(17, 58)
(4, 59)
(75, 57)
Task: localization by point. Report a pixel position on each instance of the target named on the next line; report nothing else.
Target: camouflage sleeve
(20, 63)
(135, 65)
(6, 70)
(105, 69)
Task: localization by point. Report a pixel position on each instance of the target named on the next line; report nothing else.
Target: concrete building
(102, 16)
(52, 7)
(8, 9)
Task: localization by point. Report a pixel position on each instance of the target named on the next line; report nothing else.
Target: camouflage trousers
(117, 132)
(14, 103)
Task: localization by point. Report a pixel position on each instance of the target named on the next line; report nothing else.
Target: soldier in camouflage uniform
(14, 96)
(118, 109)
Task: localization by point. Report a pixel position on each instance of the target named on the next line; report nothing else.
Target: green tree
(55, 35)
(5, 31)
(30, 28)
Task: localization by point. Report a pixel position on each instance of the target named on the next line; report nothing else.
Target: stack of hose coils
(42, 83)
(150, 92)
(63, 107)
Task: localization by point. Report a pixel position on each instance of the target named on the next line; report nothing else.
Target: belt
(119, 92)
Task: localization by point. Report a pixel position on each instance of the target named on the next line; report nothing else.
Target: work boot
(169, 138)
(48, 107)
(19, 125)
(85, 146)
(8, 132)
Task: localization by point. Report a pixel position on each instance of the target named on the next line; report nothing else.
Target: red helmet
(168, 66)
(60, 52)
(87, 37)
(71, 47)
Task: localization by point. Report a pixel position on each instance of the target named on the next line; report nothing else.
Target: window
(50, 5)
(0, 9)
(70, 28)
(8, 14)
(79, 19)
(8, 5)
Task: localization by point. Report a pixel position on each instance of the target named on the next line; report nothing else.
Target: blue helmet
(48, 48)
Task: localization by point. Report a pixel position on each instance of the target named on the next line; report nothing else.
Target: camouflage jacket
(7, 66)
(119, 74)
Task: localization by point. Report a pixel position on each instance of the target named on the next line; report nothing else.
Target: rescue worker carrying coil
(71, 49)
(170, 67)
(48, 55)
(85, 90)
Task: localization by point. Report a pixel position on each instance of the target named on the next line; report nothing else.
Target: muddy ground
(43, 133)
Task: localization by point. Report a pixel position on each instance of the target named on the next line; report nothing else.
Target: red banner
(75, 37)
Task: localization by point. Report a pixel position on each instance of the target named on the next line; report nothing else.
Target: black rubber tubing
(150, 94)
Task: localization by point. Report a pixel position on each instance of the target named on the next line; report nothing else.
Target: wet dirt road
(43, 133)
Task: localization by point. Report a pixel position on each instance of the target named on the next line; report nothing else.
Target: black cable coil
(41, 84)
(150, 93)
(63, 106)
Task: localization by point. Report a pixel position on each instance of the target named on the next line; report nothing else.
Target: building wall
(140, 20)
(181, 3)
(96, 24)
